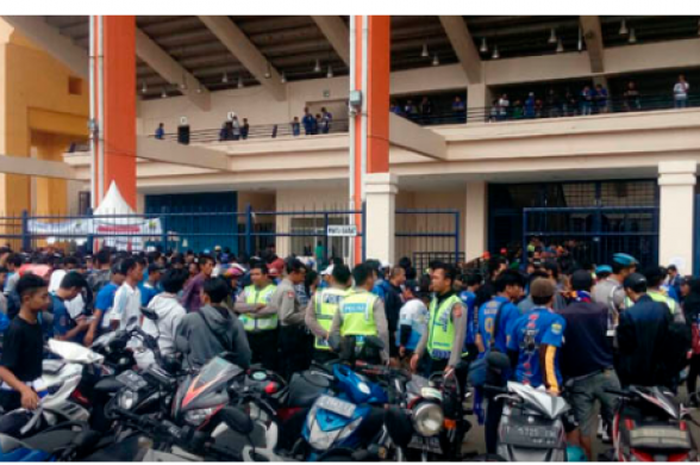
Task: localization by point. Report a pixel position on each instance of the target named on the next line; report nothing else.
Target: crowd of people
(574, 330)
(319, 124)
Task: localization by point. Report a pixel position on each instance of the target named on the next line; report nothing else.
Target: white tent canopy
(114, 204)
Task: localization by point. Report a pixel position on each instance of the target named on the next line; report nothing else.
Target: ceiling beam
(463, 45)
(152, 149)
(337, 33)
(593, 36)
(246, 52)
(27, 166)
(48, 38)
(414, 138)
(170, 70)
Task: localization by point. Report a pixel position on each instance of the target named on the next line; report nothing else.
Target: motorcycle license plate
(530, 436)
(429, 444)
(337, 406)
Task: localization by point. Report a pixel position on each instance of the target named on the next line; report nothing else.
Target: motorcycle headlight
(197, 417)
(428, 419)
(127, 399)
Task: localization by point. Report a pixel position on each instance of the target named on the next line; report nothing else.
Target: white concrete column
(478, 99)
(476, 220)
(676, 213)
(381, 190)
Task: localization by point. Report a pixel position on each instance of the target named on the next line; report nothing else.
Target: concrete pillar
(475, 220)
(677, 189)
(478, 102)
(381, 190)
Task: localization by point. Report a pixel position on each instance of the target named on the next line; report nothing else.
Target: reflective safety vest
(357, 310)
(251, 322)
(659, 297)
(326, 303)
(441, 329)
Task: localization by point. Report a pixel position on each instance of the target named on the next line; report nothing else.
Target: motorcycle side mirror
(399, 426)
(237, 420)
(131, 322)
(498, 360)
(149, 313)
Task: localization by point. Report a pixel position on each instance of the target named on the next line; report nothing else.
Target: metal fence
(594, 234)
(422, 235)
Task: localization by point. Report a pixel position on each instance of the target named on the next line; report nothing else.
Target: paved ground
(474, 441)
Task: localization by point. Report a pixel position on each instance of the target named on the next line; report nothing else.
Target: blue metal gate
(594, 234)
(427, 235)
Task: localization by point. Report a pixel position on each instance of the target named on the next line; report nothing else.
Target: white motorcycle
(59, 380)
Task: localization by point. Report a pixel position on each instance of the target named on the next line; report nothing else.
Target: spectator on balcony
(458, 105)
(587, 96)
(529, 106)
(553, 104)
(518, 111)
(309, 122)
(680, 92)
(601, 98)
(326, 118)
(296, 126)
(160, 132)
(235, 128)
(539, 106)
(426, 107)
(493, 114)
(410, 108)
(632, 101)
(245, 128)
(394, 108)
(503, 107)
(223, 132)
(570, 103)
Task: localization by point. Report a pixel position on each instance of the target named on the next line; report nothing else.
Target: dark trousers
(263, 345)
(295, 348)
(323, 356)
(494, 410)
(693, 374)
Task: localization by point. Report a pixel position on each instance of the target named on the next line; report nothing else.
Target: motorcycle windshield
(215, 374)
(539, 400)
(72, 352)
(658, 397)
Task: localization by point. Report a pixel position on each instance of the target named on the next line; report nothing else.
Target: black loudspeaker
(183, 134)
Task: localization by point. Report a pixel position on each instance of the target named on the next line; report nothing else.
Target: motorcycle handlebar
(498, 389)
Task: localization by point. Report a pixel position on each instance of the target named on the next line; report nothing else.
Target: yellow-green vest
(660, 297)
(326, 304)
(357, 310)
(441, 329)
(251, 322)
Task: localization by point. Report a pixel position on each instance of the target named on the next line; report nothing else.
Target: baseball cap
(624, 259)
(154, 268)
(384, 264)
(274, 272)
(234, 270)
(581, 280)
(542, 287)
(636, 281)
(328, 271)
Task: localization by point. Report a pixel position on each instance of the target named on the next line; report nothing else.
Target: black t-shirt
(586, 349)
(23, 350)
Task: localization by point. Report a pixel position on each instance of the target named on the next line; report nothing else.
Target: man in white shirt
(680, 92)
(127, 300)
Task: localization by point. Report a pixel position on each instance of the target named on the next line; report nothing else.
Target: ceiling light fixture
(495, 55)
(224, 78)
(268, 73)
(424, 53)
(580, 39)
(633, 37)
(164, 94)
(436, 60)
(560, 46)
(317, 67)
(623, 28)
(183, 84)
(329, 74)
(553, 37)
(283, 78)
(240, 82)
(484, 47)
(199, 89)
(144, 88)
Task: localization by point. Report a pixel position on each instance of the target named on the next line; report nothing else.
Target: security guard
(655, 278)
(362, 313)
(259, 316)
(295, 341)
(442, 346)
(323, 307)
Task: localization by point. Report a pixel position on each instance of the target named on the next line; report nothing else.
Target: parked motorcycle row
(98, 407)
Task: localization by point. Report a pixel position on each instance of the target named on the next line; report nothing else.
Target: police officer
(295, 342)
(323, 307)
(655, 276)
(442, 346)
(362, 313)
(259, 316)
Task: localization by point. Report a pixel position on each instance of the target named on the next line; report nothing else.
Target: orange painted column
(370, 74)
(115, 72)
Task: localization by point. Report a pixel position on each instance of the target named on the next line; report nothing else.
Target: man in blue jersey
(473, 281)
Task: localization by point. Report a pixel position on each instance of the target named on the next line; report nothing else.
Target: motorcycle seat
(305, 387)
(50, 441)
